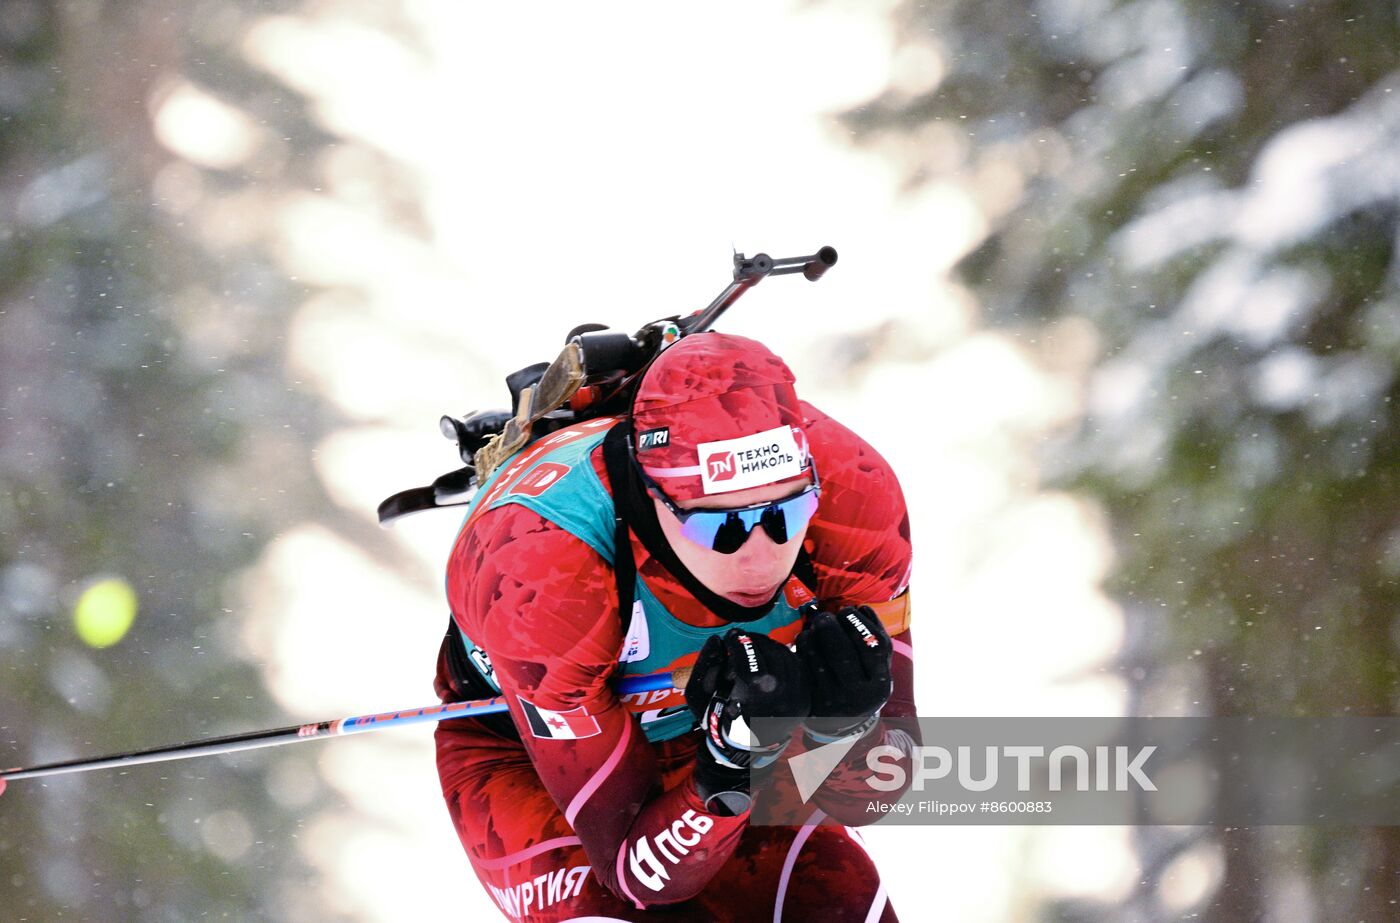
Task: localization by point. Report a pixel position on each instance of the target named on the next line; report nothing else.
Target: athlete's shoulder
(535, 597)
(846, 462)
(510, 555)
(543, 465)
(859, 539)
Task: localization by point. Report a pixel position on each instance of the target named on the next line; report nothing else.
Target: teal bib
(555, 479)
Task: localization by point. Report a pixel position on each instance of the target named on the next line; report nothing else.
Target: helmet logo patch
(721, 466)
(750, 461)
(654, 439)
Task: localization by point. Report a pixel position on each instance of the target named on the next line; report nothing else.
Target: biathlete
(718, 525)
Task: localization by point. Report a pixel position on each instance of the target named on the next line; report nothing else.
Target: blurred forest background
(1193, 209)
(151, 433)
(1211, 192)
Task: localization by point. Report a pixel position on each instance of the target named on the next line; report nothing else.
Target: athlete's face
(751, 575)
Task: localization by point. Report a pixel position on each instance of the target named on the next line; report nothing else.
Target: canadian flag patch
(559, 725)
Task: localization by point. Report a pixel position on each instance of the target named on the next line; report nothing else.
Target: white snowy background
(250, 250)
(579, 167)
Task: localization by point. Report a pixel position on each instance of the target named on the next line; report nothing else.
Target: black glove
(847, 658)
(738, 677)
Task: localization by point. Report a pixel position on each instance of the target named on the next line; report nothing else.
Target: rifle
(593, 376)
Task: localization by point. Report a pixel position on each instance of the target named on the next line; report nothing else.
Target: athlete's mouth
(755, 596)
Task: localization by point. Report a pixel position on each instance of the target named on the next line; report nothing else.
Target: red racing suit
(553, 826)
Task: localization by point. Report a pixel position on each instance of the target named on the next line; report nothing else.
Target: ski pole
(254, 740)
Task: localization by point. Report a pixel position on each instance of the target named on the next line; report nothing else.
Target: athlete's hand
(847, 659)
(737, 678)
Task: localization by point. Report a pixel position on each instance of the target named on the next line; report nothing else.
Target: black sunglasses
(726, 530)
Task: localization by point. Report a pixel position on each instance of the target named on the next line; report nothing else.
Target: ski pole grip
(824, 259)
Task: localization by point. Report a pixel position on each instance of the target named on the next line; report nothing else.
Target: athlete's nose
(759, 552)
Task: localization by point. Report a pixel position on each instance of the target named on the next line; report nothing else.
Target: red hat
(717, 413)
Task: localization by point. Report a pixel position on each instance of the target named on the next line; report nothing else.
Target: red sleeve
(543, 606)
(862, 554)
(859, 540)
